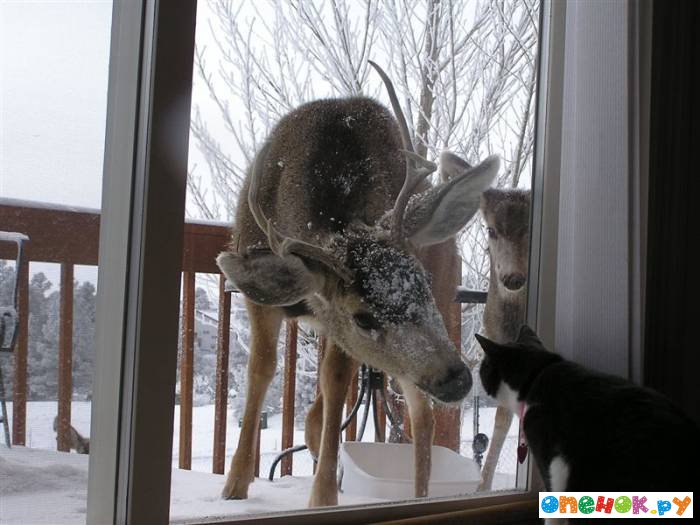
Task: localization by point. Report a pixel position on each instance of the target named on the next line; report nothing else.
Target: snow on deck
(39, 486)
(43, 487)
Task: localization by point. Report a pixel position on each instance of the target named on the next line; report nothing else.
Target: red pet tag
(522, 452)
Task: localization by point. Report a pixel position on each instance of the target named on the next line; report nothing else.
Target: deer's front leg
(500, 430)
(264, 325)
(313, 427)
(336, 371)
(422, 430)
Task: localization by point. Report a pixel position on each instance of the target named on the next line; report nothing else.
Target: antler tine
(417, 168)
(282, 245)
(398, 112)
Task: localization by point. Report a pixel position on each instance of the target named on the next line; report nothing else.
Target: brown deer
(327, 229)
(507, 216)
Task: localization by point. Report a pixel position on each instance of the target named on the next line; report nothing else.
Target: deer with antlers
(331, 218)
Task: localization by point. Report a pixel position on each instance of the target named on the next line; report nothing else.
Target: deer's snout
(513, 281)
(455, 385)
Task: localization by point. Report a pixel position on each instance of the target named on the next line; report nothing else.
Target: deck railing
(70, 236)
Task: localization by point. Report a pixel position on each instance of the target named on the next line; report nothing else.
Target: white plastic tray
(386, 470)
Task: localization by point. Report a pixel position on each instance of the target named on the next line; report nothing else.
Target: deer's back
(330, 162)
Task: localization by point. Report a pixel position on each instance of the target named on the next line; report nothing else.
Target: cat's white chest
(558, 474)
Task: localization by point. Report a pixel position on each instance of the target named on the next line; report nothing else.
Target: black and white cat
(587, 430)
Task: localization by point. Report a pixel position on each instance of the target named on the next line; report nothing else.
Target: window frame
(138, 299)
(150, 84)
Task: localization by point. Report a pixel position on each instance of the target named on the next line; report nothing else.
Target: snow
(391, 282)
(13, 237)
(41, 486)
(45, 487)
(51, 206)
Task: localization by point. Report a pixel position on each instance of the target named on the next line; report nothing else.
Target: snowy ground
(41, 486)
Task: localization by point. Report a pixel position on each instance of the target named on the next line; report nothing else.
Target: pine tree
(44, 325)
(7, 283)
(7, 290)
(84, 302)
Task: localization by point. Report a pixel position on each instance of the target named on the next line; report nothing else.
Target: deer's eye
(491, 232)
(366, 321)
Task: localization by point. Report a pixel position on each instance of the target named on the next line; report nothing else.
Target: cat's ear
(527, 336)
(490, 347)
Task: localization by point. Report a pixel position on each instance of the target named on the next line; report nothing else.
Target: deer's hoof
(323, 499)
(483, 486)
(236, 488)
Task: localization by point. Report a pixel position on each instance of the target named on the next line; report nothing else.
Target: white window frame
(139, 272)
(145, 172)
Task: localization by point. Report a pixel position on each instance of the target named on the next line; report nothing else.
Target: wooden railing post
(351, 430)
(380, 430)
(221, 399)
(19, 382)
(445, 266)
(186, 371)
(288, 398)
(65, 359)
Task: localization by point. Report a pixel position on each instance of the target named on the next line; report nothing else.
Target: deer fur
(327, 230)
(507, 216)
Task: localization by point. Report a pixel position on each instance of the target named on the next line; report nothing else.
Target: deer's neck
(504, 313)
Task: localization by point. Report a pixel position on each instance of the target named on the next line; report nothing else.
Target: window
(466, 76)
(143, 216)
(152, 136)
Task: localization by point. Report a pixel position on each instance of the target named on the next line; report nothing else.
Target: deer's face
(507, 216)
(387, 318)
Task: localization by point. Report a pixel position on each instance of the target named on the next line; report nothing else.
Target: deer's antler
(280, 244)
(417, 168)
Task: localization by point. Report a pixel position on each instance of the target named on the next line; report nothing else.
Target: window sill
(496, 508)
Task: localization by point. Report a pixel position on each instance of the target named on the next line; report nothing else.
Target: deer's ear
(439, 213)
(490, 347)
(452, 166)
(527, 336)
(268, 279)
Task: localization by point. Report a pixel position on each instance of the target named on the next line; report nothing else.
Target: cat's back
(577, 391)
(614, 433)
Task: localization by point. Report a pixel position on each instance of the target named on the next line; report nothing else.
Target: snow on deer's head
(507, 216)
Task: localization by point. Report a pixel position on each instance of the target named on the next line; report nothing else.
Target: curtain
(672, 352)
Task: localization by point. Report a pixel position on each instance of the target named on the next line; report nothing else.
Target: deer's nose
(513, 281)
(455, 385)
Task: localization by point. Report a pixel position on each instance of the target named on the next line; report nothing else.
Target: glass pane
(54, 59)
(465, 74)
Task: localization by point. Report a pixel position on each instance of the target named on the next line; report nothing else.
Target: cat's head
(507, 368)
